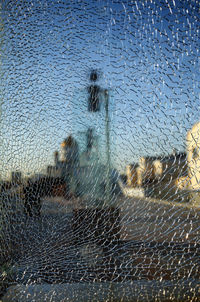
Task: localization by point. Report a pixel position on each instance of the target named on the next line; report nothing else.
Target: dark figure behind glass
(93, 101)
(72, 166)
(94, 91)
(32, 194)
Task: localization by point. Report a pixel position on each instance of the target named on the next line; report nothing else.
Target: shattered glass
(99, 150)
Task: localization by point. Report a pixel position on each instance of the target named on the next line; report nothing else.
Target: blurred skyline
(147, 53)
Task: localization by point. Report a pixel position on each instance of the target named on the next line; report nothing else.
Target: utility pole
(104, 227)
(107, 131)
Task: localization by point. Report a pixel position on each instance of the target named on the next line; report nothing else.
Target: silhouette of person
(94, 91)
(72, 164)
(32, 203)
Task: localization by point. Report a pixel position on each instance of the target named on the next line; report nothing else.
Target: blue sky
(148, 55)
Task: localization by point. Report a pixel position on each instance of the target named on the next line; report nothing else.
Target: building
(132, 175)
(193, 151)
(175, 177)
(63, 150)
(147, 168)
(53, 171)
(16, 177)
(161, 177)
(56, 170)
(193, 158)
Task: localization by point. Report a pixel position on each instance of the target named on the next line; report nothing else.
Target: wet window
(99, 129)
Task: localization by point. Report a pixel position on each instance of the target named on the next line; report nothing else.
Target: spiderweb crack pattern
(64, 232)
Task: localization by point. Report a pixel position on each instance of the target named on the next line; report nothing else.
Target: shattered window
(99, 150)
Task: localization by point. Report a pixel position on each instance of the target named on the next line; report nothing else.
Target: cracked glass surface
(99, 150)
